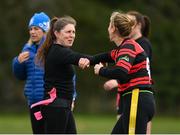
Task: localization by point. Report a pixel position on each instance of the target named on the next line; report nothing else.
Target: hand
(72, 105)
(97, 68)
(84, 63)
(23, 56)
(111, 84)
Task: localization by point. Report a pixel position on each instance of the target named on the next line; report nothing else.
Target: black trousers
(37, 125)
(145, 112)
(58, 120)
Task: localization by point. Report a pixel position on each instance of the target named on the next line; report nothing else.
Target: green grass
(15, 124)
(166, 125)
(95, 124)
(86, 124)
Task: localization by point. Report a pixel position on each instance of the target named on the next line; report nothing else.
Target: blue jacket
(33, 74)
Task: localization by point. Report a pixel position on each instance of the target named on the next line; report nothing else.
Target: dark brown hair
(143, 20)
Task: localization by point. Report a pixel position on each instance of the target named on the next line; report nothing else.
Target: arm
(111, 72)
(74, 94)
(19, 69)
(102, 57)
(18, 63)
(69, 56)
(124, 61)
(74, 83)
(73, 101)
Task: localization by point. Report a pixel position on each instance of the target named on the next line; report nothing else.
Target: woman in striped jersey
(140, 33)
(131, 70)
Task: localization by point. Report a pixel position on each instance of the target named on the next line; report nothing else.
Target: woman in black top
(58, 60)
(140, 31)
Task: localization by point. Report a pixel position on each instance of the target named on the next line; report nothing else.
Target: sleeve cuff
(102, 71)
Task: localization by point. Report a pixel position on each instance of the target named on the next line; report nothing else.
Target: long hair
(43, 50)
(143, 20)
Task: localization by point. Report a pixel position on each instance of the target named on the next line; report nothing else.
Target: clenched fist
(97, 68)
(83, 63)
(23, 56)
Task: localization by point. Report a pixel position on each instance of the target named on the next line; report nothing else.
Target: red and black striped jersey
(131, 58)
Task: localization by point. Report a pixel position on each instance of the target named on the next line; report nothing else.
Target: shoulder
(60, 50)
(143, 41)
(130, 44)
(133, 45)
(27, 47)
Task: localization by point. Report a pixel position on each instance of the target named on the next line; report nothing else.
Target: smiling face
(66, 36)
(36, 34)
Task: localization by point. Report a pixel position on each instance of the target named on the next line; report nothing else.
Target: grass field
(86, 124)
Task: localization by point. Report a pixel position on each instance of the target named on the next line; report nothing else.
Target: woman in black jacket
(58, 59)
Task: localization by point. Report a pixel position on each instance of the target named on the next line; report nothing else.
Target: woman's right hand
(23, 56)
(83, 63)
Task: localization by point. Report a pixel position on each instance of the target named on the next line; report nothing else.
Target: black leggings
(58, 120)
(37, 125)
(145, 112)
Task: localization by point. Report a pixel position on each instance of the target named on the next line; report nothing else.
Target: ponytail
(43, 50)
(143, 20)
(146, 29)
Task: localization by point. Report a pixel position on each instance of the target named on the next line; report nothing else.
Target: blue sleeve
(74, 83)
(19, 69)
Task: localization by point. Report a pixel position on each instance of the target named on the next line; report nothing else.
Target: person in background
(74, 94)
(58, 59)
(131, 70)
(140, 33)
(24, 67)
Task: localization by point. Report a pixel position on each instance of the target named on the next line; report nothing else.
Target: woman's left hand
(97, 67)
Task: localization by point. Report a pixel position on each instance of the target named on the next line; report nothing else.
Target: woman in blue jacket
(24, 67)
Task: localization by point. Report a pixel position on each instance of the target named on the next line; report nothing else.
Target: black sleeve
(113, 73)
(71, 57)
(102, 57)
